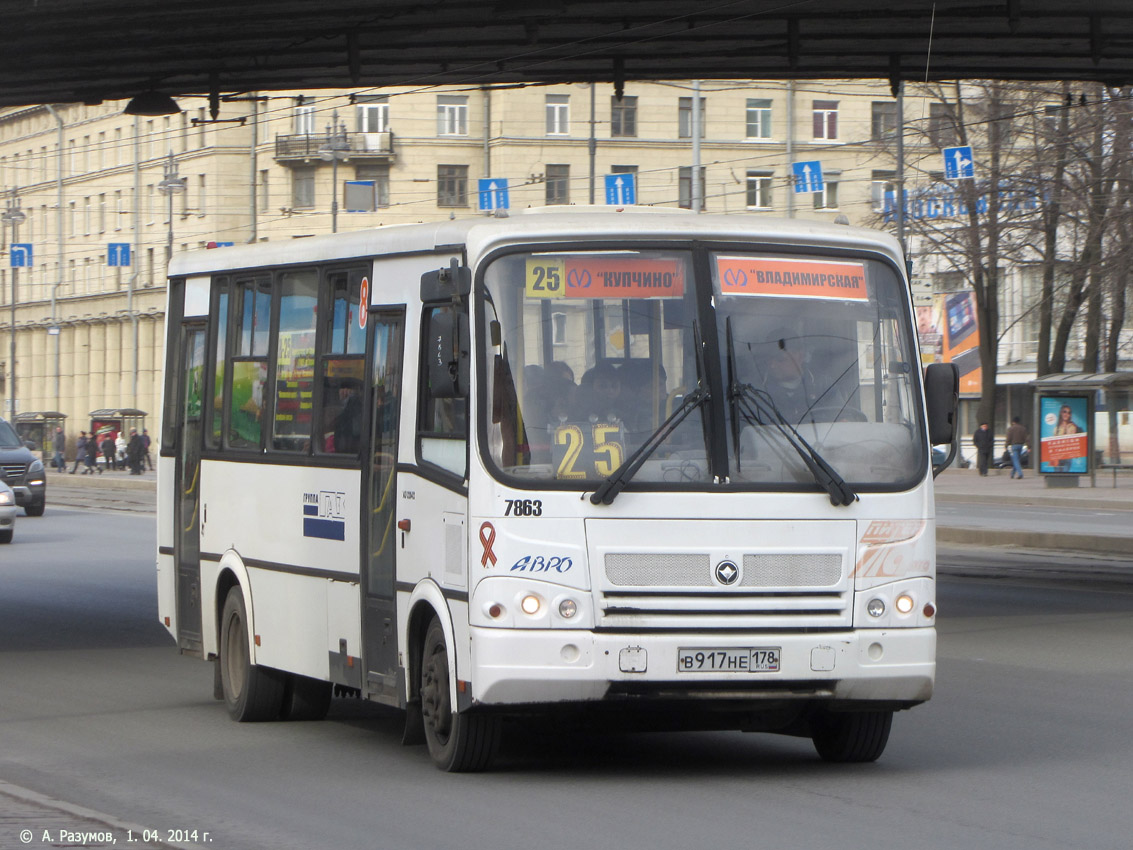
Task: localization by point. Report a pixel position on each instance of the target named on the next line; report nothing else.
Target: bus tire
(848, 737)
(457, 741)
(252, 693)
(305, 698)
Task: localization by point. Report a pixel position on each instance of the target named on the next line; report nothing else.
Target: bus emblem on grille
(727, 572)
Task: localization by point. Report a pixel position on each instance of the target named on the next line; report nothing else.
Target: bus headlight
(531, 604)
(568, 608)
(904, 603)
(876, 607)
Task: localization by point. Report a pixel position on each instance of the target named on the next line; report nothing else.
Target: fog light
(530, 604)
(568, 608)
(904, 603)
(875, 608)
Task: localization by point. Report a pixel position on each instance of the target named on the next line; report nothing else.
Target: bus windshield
(588, 354)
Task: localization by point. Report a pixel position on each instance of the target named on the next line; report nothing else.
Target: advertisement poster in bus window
(295, 375)
(1064, 435)
(954, 320)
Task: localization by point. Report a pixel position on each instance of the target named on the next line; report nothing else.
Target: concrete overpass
(54, 51)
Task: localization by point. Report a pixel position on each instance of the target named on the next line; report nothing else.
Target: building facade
(84, 181)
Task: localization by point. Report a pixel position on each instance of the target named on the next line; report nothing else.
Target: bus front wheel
(457, 741)
(251, 693)
(852, 736)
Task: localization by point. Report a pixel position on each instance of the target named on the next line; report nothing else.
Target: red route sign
(791, 278)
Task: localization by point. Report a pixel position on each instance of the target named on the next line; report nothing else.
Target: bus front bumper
(516, 667)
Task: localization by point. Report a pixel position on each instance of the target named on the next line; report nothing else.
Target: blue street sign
(808, 176)
(118, 254)
(621, 189)
(225, 244)
(493, 194)
(21, 256)
(958, 164)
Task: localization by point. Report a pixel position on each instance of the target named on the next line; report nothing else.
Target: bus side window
(443, 423)
(342, 366)
(252, 314)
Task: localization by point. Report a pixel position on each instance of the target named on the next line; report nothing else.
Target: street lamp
(170, 185)
(335, 148)
(14, 216)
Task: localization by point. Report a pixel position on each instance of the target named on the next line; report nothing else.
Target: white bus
(670, 470)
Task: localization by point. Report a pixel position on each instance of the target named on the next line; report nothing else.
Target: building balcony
(304, 148)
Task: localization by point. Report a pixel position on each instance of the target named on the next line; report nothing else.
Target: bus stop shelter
(39, 428)
(1105, 400)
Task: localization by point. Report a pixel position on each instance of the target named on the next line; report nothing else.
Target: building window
(379, 176)
(452, 115)
(883, 120)
(759, 190)
(558, 114)
(684, 188)
(305, 120)
(303, 187)
(452, 185)
(623, 116)
(758, 118)
(265, 202)
(558, 184)
(826, 119)
(941, 125)
(373, 114)
(827, 199)
(558, 329)
(882, 185)
(684, 118)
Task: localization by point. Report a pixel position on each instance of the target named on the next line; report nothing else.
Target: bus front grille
(681, 591)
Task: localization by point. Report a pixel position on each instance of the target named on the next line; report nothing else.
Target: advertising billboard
(1064, 435)
(949, 333)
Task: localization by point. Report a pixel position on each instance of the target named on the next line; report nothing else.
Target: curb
(1040, 540)
(46, 814)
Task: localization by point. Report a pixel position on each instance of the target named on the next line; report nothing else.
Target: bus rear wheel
(852, 736)
(457, 741)
(251, 693)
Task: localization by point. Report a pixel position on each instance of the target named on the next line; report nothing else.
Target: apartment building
(275, 166)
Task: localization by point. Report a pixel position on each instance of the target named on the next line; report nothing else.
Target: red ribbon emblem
(487, 540)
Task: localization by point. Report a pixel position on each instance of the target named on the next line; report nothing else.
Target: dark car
(23, 471)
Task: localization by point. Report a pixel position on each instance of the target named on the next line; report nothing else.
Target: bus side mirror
(942, 397)
(454, 282)
(942, 400)
(448, 354)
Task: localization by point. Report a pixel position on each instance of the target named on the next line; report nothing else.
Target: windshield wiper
(757, 407)
(608, 490)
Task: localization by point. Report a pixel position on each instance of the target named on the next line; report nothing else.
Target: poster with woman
(1064, 435)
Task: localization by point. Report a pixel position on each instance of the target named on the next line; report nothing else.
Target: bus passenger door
(188, 487)
(379, 502)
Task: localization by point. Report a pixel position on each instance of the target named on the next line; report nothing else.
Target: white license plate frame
(730, 659)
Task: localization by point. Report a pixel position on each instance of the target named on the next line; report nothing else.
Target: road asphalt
(57, 822)
(118, 490)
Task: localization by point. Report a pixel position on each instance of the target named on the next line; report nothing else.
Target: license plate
(748, 659)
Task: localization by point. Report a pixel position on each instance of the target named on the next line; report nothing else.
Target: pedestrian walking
(984, 442)
(135, 452)
(1016, 440)
(91, 456)
(80, 452)
(146, 444)
(109, 449)
(59, 444)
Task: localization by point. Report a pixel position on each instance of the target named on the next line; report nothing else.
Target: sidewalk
(137, 493)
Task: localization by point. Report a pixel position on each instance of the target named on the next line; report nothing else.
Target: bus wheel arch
(457, 741)
(251, 693)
